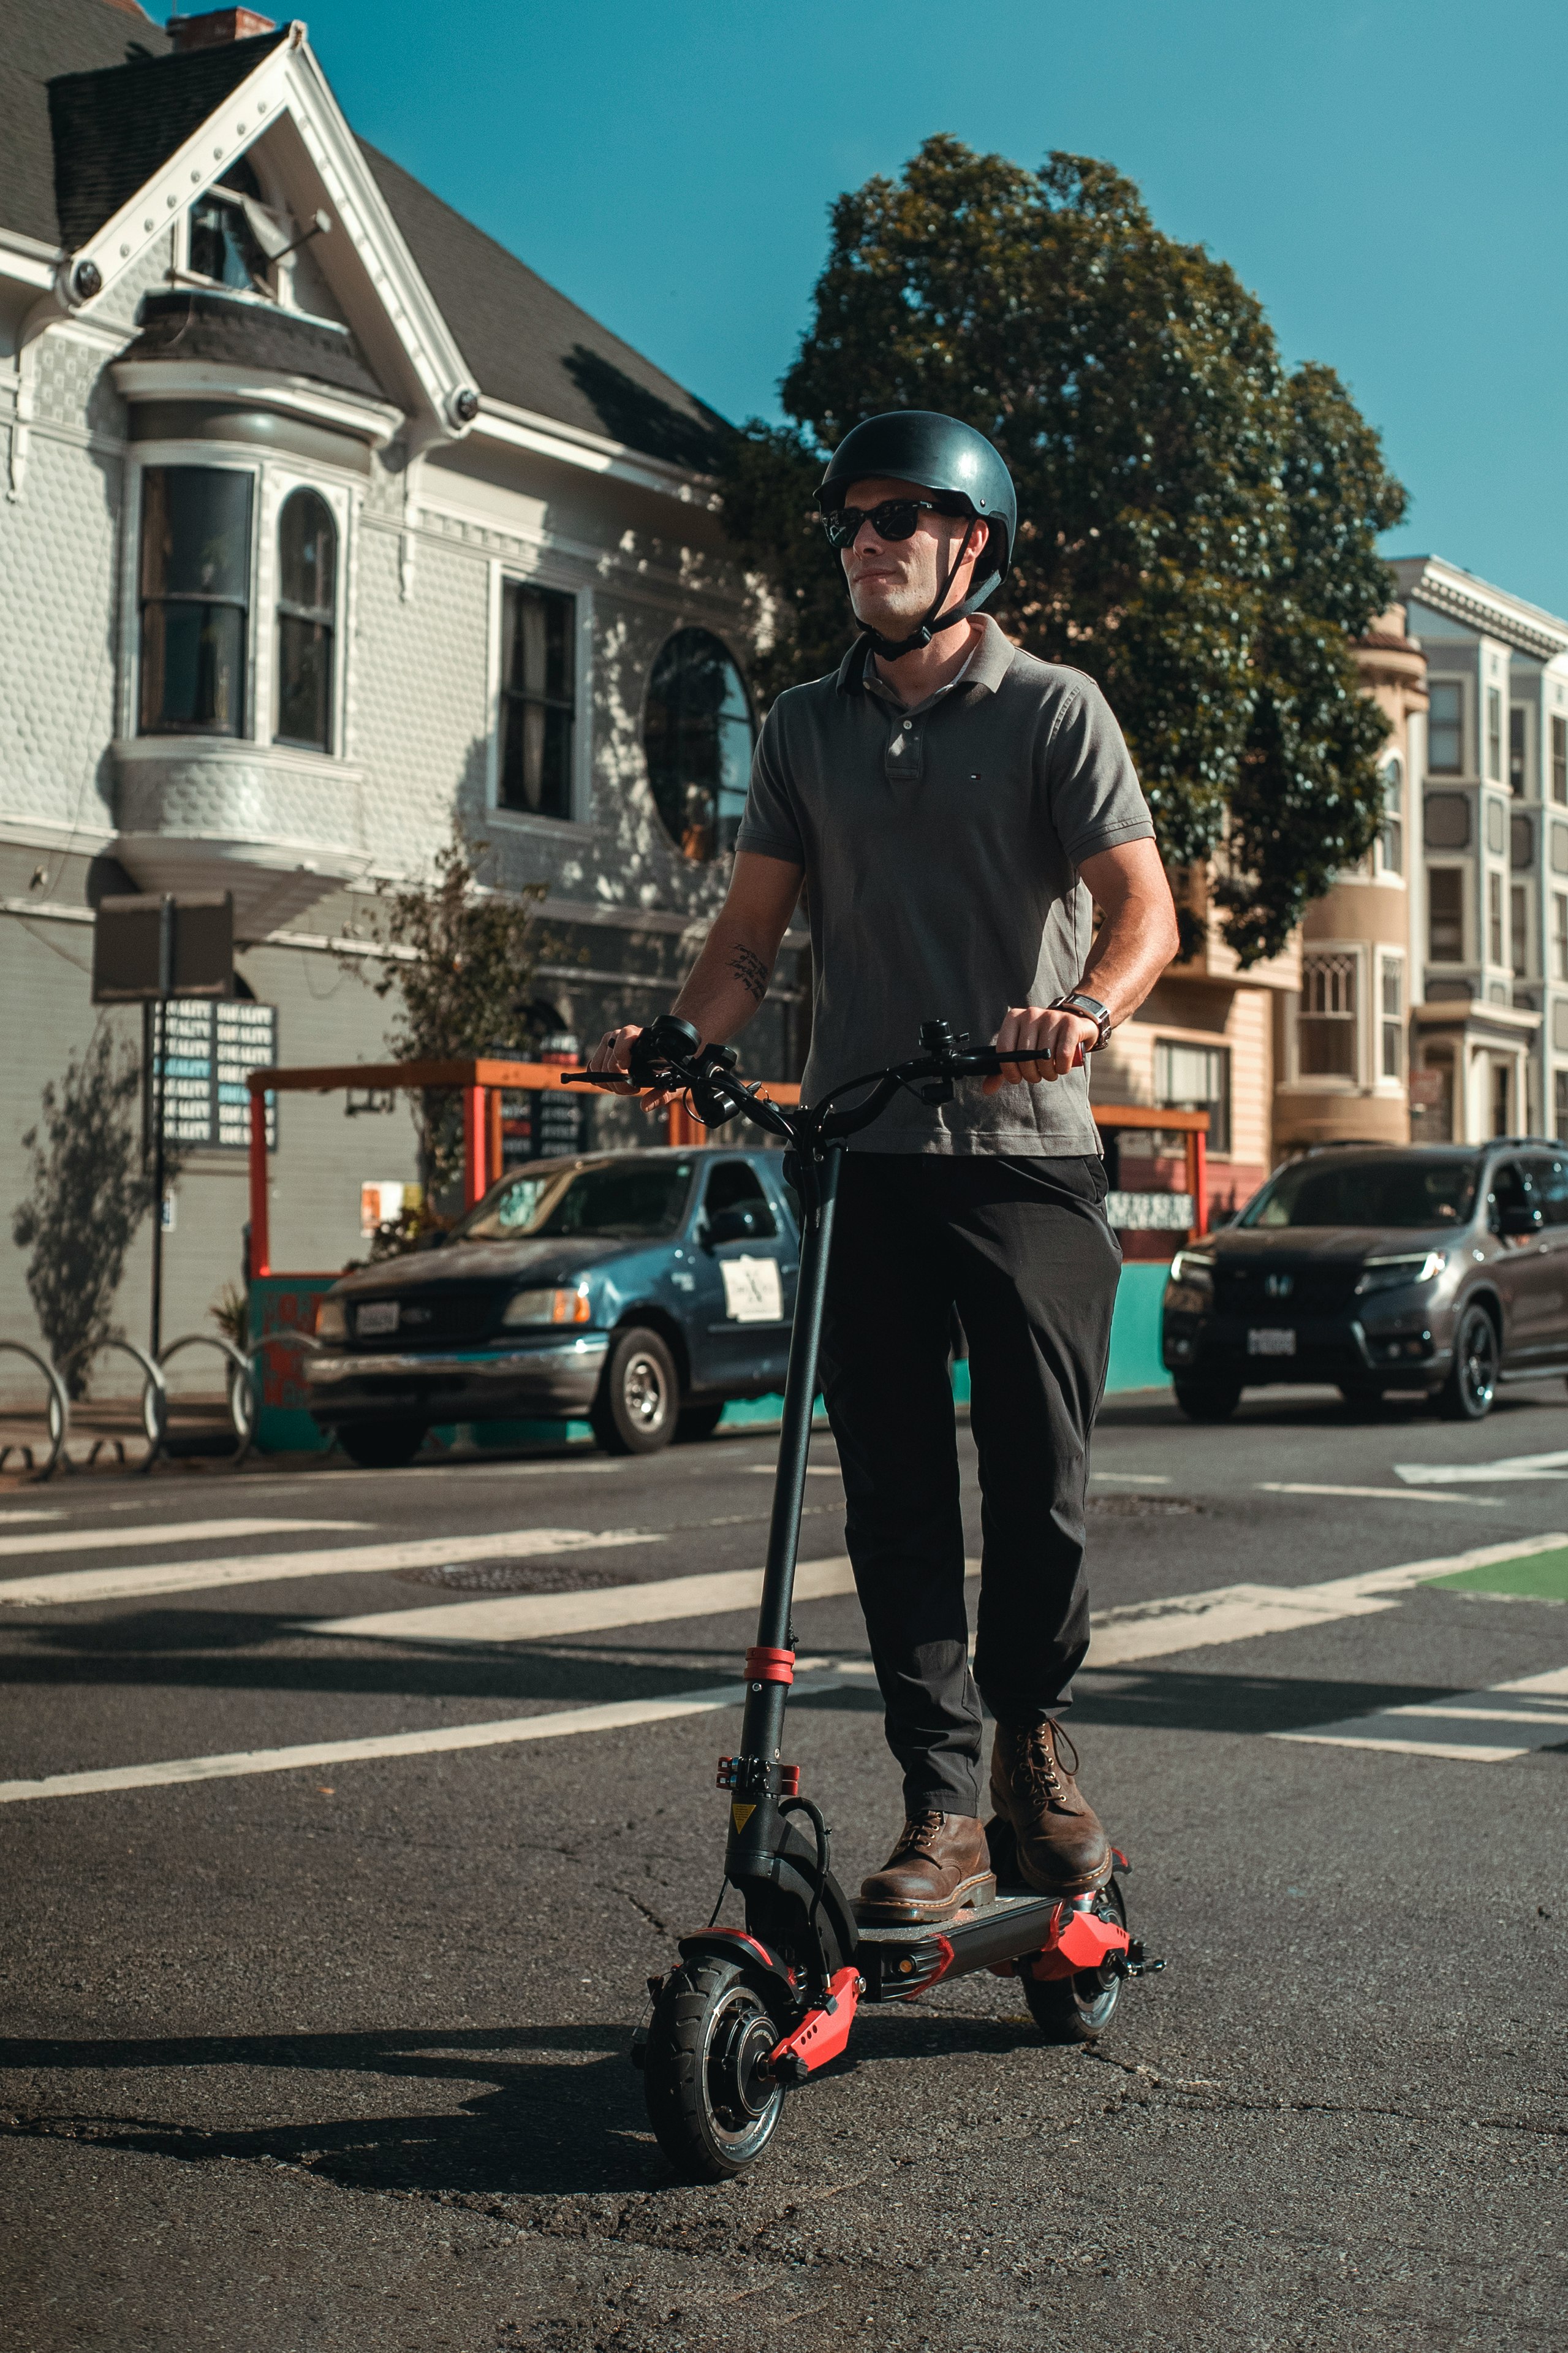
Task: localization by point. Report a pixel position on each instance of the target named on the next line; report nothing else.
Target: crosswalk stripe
(1508, 1467)
(1381, 1494)
(1463, 1725)
(532, 1616)
(271, 1569)
(615, 1716)
(168, 1532)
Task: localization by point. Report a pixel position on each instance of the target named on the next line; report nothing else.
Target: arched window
(699, 736)
(307, 587)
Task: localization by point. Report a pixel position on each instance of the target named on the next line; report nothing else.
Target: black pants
(1021, 1248)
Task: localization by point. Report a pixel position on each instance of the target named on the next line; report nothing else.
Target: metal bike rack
(241, 1391)
(154, 1398)
(58, 1412)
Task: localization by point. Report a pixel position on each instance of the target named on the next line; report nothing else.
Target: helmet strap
(936, 620)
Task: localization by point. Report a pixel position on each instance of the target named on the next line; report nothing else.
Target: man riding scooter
(955, 810)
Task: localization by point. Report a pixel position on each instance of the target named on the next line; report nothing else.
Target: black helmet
(932, 453)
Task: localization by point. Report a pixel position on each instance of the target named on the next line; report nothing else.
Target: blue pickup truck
(642, 1290)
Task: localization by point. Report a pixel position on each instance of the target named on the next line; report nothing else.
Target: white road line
(81, 1539)
(1237, 1613)
(1146, 1629)
(1134, 1478)
(616, 1715)
(1476, 1474)
(1387, 1494)
(1525, 1706)
(532, 1617)
(271, 1569)
(8, 1518)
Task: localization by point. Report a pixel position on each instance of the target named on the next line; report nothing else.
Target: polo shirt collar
(988, 665)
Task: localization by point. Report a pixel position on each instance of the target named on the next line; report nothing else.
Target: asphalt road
(328, 2056)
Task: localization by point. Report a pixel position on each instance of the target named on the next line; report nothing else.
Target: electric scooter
(752, 2013)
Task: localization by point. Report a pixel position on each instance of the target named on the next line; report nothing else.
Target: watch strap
(1077, 1002)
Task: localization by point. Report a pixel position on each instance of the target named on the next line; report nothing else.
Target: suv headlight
(548, 1306)
(332, 1319)
(1193, 1269)
(1392, 1273)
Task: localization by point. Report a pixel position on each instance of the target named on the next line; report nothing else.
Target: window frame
(1494, 773)
(1498, 958)
(1436, 686)
(1220, 1133)
(283, 495)
(1337, 961)
(1463, 958)
(181, 459)
(702, 628)
(1391, 832)
(560, 580)
(1518, 748)
(1560, 759)
(1389, 1020)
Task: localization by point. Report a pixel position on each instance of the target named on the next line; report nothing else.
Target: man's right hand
(613, 1052)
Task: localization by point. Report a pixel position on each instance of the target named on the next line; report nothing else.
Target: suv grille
(1316, 1287)
(435, 1318)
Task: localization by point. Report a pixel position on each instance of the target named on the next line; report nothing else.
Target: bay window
(194, 593)
(307, 591)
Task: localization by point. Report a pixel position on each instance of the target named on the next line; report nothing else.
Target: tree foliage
(89, 1195)
(461, 971)
(1198, 526)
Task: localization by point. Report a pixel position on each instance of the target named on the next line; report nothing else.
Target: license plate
(1271, 1343)
(376, 1315)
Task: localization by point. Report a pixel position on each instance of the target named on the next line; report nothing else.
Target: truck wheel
(640, 1395)
(1208, 1400)
(381, 1445)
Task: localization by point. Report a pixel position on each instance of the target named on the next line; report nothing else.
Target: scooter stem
(763, 1726)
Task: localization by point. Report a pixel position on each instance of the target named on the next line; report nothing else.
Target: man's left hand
(1059, 1036)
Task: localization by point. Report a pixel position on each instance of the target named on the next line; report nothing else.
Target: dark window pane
(1444, 750)
(304, 682)
(698, 737)
(1516, 751)
(193, 667)
(1446, 914)
(307, 554)
(195, 532)
(538, 691)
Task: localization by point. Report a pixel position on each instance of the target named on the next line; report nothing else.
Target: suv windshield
(615, 1200)
(1382, 1192)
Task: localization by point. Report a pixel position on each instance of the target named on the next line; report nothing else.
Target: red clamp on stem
(765, 1666)
(789, 1780)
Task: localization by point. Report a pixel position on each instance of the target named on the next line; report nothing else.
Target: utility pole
(160, 1092)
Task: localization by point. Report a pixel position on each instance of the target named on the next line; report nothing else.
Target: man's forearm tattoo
(751, 971)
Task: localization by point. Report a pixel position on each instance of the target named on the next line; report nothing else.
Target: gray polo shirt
(942, 846)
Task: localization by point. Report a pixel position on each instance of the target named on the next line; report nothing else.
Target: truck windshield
(1384, 1192)
(612, 1200)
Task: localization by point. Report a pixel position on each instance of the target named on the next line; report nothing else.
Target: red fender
(822, 2033)
(1080, 1940)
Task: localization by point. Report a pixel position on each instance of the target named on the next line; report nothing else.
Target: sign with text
(208, 1049)
(547, 1124)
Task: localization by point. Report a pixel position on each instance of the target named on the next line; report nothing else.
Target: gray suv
(1441, 1267)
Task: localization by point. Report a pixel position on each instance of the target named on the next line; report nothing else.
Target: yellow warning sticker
(741, 1815)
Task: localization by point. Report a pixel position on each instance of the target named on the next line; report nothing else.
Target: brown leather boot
(1062, 1850)
(940, 1862)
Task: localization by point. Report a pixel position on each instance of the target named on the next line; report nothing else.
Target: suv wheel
(1468, 1393)
(640, 1395)
(1208, 1400)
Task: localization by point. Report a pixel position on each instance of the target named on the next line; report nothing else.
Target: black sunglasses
(894, 519)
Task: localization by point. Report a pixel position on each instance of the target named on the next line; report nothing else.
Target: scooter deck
(899, 1962)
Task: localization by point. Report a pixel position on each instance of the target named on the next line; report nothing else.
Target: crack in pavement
(1199, 2089)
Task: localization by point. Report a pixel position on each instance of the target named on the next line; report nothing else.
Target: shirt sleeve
(770, 825)
(1095, 800)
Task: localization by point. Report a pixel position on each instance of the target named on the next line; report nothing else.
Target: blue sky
(1391, 179)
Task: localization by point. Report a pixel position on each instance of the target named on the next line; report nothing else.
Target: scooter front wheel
(1076, 2009)
(712, 2104)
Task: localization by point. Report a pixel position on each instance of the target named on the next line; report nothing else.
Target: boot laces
(918, 1835)
(1038, 1753)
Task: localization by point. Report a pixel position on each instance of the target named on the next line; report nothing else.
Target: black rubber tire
(640, 1395)
(1208, 1400)
(1470, 1390)
(1076, 2009)
(696, 1423)
(712, 2113)
(381, 1445)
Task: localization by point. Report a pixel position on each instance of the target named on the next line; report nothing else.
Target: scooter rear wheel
(712, 2106)
(1076, 2009)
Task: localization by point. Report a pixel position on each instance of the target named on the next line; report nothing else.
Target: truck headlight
(1392, 1273)
(332, 1319)
(1193, 1269)
(548, 1306)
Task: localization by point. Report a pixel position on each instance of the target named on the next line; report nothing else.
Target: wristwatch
(1090, 1008)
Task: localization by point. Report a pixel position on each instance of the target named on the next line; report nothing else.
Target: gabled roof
(530, 346)
(113, 129)
(37, 44)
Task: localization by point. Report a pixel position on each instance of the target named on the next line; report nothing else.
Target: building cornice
(374, 421)
(1477, 604)
(568, 445)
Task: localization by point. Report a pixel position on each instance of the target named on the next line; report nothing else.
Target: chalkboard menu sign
(208, 1049)
(548, 1123)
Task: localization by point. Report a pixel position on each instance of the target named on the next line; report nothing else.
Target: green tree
(460, 967)
(1198, 526)
(88, 1195)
